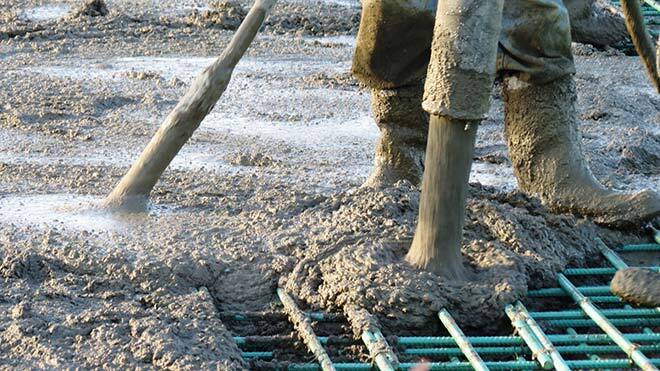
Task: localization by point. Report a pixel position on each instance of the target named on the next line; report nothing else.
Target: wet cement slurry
(266, 193)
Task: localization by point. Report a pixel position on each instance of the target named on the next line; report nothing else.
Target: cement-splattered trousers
(394, 41)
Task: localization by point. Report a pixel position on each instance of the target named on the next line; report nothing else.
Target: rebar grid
(545, 339)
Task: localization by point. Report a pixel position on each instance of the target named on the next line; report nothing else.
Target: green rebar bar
(379, 350)
(538, 351)
(592, 311)
(591, 356)
(640, 247)
(275, 339)
(264, 355)
(589, 271)
(445, 341)
(245, 316)
(557, 359)
(564, 349)
(338, 366)
(516, 340)
(610, 313)
(505, 365)
(621, 322)
(609, 299)
(597, 271)
(384, 360)
(462, 342)
(553, 292)
(245, 340)
(604, 364)
(586, 290)
(510, 365)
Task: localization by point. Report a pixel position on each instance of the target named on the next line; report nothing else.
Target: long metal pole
(379, 350)
(587, 290)
(462, 341)
(640, 247)
(611, 313)
(557, 359)
(133, 189)
(302, 323)
(610, 255)
(375, 341)
(538, 351)
(622, 322)
(519, 349)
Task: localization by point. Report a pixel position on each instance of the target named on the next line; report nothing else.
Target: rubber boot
(545, 147)
(403, 128)
(596, 22)
(640, 286)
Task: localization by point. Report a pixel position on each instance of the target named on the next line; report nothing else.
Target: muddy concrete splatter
(511, 244)
(268, 187)
(61, 309)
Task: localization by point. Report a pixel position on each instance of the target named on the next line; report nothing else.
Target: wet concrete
(56, 211)
(44, 13)
(267, 187)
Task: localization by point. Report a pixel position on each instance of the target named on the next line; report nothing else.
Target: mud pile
(61, 298)
(91, 8)
(511, 243)
(223, 14)
(641, 156)
(310, 19)
(125, 20)
(322, 19)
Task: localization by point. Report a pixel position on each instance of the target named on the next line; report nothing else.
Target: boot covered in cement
(545, 147)
(639, 286)
(403, 128)
(596, 22)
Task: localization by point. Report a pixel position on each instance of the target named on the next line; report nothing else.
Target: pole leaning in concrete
(302, 324)
(132, 191)
(634, 16)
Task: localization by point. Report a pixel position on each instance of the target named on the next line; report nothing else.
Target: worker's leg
(457, 95)
(403, 128)
(545, 147)
(393, 48)
(542, 122)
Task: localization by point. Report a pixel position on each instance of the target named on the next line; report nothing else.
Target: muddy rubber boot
(545, 147)
(596, 22)
(403, 128)
(639, 286)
